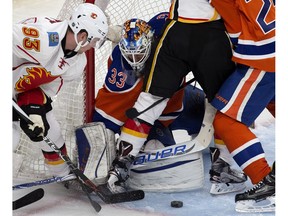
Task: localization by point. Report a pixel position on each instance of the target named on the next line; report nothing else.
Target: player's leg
(232, 125)
(96, 148)
(56, 166)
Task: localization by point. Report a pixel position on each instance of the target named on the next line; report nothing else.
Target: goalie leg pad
(178, 172)
(96, 150)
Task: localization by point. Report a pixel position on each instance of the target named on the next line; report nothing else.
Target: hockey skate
(119, 173)
(223, 178)
(261, 198)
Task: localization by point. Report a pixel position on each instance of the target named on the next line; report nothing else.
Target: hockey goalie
(160, 156)
(180, 165)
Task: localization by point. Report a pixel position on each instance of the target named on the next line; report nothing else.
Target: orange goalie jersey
(122, 88)
(253, 24)
(119, 93)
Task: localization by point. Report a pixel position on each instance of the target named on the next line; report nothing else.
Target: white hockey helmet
(92, 19)
(135, 43)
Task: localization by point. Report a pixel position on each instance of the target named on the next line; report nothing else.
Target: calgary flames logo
(35, 77)
(93, 15)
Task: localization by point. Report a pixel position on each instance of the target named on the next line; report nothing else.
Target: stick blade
(108, 197)
(28, 198)
(86, 189)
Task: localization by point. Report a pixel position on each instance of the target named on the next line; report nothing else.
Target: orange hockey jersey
(253, 22)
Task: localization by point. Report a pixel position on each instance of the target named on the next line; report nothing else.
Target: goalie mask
(92, 19)
(135, 43)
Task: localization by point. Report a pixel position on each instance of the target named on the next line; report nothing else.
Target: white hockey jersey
(192, 11)
(38, 57)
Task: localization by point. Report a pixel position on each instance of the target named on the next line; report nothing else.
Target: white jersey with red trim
(38, 56)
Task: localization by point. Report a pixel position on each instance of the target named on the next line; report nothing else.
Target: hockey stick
(64, 157)
(132, 113)
(58, 179)
(29, 198)
(106, 197)
(95, 204)
(42, 182)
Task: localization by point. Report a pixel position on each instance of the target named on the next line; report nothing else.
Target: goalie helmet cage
(75, 103)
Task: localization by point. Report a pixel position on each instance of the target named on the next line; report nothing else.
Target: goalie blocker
(184, 161)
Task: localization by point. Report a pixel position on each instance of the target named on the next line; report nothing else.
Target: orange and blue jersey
(245, 94)
(255, 57)
(253, 22)
(122, 88)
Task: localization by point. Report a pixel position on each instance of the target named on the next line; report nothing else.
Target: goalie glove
(114, 33)
(37, 115)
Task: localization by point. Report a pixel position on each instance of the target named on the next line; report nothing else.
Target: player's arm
(30, 52)
(27, 40)
(35, 104)
(114, 34)
(33, 77)
(33, 44)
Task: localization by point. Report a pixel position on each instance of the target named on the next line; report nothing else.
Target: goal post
(74, 105)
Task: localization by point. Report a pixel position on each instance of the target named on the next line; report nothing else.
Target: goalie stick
(132, 113)
(29, 198)
(100, 190)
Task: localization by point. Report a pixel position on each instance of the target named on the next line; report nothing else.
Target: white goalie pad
(174, 168)
(171, 169)
(96, 150)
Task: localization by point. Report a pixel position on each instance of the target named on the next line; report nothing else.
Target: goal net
(75, 103)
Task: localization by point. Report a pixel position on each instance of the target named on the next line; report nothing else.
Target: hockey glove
(37, 115)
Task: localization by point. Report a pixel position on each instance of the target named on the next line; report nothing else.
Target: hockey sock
(56, 166)
(244, 146)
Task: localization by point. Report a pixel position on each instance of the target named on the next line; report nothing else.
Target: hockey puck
(176, 204)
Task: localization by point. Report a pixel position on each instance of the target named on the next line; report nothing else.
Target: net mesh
(69, 105)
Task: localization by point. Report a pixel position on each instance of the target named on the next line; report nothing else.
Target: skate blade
(224, 188)
(267, 205)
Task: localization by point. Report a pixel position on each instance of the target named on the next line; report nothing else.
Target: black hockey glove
(39, 129)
